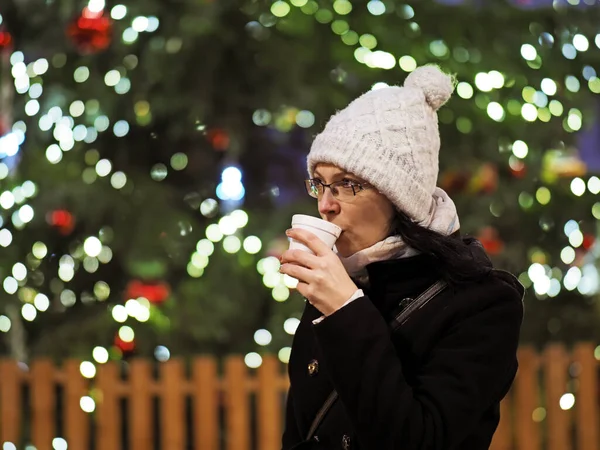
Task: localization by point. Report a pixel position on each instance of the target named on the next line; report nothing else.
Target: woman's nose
(328, 204)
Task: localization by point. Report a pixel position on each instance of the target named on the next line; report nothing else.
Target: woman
(436, 378)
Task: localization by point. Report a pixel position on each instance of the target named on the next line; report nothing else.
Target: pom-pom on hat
(390, 138)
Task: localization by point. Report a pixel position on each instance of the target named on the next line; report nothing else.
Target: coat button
(313, 367)
(346, 442)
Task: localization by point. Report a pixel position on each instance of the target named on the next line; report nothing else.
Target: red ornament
(518, 169)
(3, 125)
(61, 219)
(488, 236)
(5, 40)
(154, 292)
(588, 241)
(91, 32)
(125, 347)
(453, 181)
(219, 139)
(487, 178)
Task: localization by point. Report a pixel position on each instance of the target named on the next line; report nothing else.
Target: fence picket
(237, 404)
(76, 421)
(172, 405)
(555, 368)
(10, 399)
(108, 430)
(140, 405)
(526, 400)
(586, 405)
(269, 414)
(43, 404)
(206, 423)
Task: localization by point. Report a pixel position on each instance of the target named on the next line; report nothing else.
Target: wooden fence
(208, 406)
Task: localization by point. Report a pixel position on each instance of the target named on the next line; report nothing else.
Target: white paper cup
(326, 231)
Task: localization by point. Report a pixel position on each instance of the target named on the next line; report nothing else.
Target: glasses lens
(313, 188)
(343, 191)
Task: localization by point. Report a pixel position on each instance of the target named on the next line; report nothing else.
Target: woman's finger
(302, 274)
(302, 288)
(299, 257)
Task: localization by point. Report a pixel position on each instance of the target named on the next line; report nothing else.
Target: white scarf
(444, 220)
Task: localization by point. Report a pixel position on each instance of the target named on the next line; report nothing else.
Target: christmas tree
(153, 154)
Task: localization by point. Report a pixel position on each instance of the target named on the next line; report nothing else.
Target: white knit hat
(389, 137)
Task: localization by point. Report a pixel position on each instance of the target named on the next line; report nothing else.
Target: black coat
(436, 384)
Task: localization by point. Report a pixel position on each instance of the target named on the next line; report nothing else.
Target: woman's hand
(322, 278)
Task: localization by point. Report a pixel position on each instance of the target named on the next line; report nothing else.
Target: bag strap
(321, 414)
(401, 317)
(396, 322)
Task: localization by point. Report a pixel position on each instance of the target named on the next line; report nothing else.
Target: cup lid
(315, 222)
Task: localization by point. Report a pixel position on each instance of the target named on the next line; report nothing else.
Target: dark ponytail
(452, 255)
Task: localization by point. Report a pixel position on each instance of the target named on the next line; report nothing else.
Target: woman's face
(364, 221)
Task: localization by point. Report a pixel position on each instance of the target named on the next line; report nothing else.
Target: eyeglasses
(344, 190)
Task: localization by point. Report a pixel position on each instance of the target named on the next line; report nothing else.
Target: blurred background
(152, 153)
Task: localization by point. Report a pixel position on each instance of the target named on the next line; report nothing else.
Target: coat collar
(393, 280)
